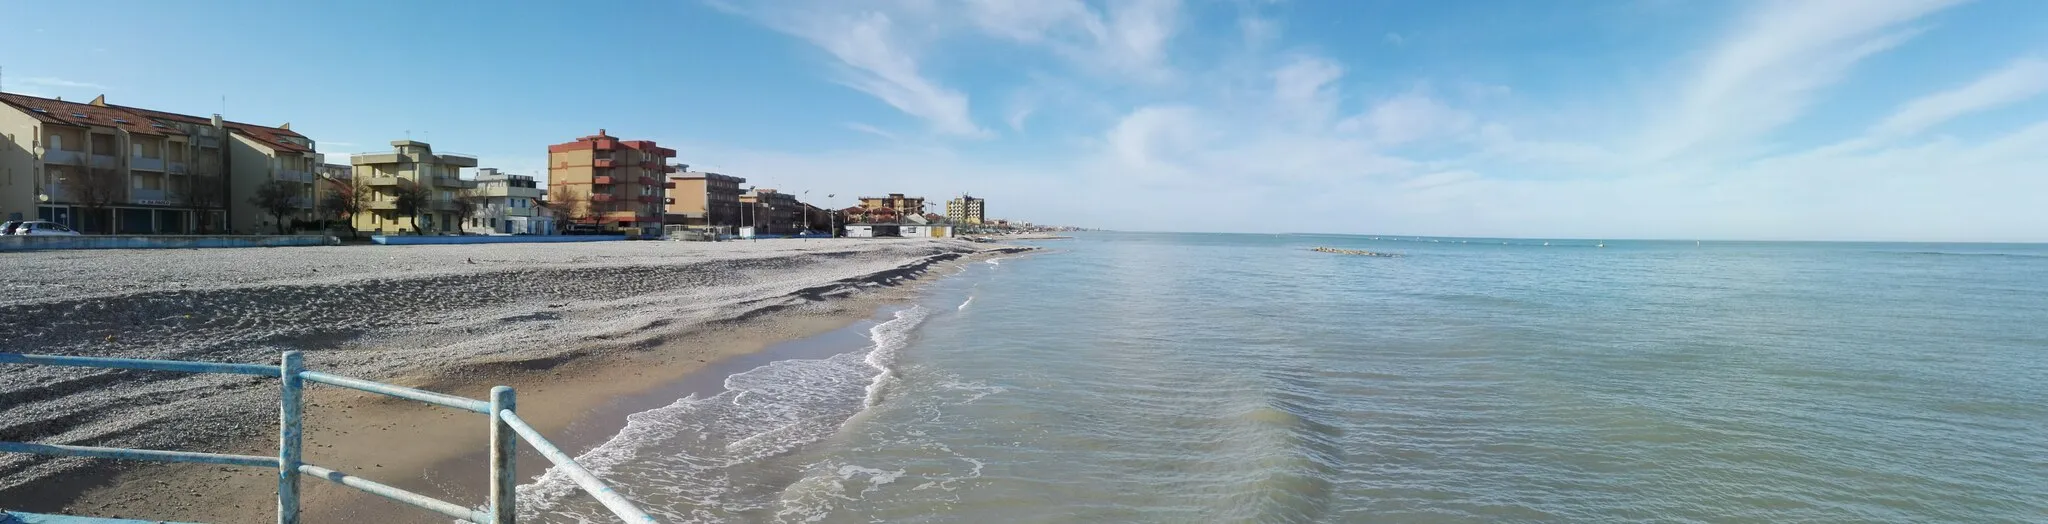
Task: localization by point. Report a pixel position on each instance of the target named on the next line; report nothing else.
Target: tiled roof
(77, 114)
(269, 136)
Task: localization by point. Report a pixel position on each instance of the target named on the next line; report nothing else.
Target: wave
(702, 458)
(1959, 254)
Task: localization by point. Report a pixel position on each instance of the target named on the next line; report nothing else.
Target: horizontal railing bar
(142, 364)
(397, 391)
(611, 499)
(387, 491)
(138, 454)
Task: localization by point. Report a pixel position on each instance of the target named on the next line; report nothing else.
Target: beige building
(966, 210)
(111, 169)
(903, 205)
(254, 155)
(411, 165)
(697, 198)
(611, 184)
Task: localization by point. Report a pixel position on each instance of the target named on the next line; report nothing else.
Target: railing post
(504, 449)
(288, 436)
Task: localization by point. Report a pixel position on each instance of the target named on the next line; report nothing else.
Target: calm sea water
(1243, 378)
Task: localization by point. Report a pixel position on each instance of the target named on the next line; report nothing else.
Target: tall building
(107, 168)
(613, 184)
(966, 210)
(697, 198)
(896, 201)
(411, 165)
(506, 204)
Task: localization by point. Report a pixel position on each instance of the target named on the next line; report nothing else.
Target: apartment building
(697, 198)
(507, 204)
(253, 155)
(966, 210)
(896, 201)
(615, 185)
(111, 169)
(411, 166)
(771, 212)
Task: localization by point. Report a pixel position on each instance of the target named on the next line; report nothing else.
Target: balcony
(381, 205)
(57, 192)
(105, 162)
(458, 159)
(63, 157)
(601, 197)
(376, 158)
(146, 163)
(150, 197)
(178, 168)
(649, 181)
(602, 180)
(453, 182)
(647, 199)
(207, 141)
(604, 162)
(604, 144)
(385, 181)
(294, 175)
(500, 191)
(442, 205)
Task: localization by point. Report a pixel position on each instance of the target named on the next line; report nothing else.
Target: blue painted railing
(506, 428)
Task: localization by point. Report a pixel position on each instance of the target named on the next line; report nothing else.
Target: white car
(43, 228)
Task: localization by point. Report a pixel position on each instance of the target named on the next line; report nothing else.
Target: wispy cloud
(1764, 74)
(1396, 39)
(872, 130)
(873, 58)
(49, 81)
(2021, 80)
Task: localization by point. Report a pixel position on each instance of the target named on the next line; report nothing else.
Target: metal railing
(506, 429)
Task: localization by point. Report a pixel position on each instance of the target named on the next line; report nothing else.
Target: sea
(1132, 377)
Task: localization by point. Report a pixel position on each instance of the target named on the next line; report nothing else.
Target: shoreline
(423, 448)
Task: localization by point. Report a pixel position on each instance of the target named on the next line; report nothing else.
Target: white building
(508, 204)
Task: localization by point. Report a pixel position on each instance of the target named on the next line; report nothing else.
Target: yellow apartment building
(411, 165)
(966, 210)
(902, 204)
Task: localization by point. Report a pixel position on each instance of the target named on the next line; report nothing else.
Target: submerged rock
(1358, 252)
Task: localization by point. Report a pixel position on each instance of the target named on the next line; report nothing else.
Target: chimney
(216, 120)
(600, 131)
(287, 126)
(100, 100)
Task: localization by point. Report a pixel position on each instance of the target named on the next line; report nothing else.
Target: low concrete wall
(34, 243)
(480, 239)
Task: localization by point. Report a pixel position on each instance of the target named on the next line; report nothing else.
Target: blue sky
(1850, 119)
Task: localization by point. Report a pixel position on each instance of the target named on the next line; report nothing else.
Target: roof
(84, 115)
(269, 136)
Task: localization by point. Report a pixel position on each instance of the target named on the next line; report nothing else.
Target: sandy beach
(570, 326)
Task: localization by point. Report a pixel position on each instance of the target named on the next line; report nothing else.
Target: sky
(1721, 119)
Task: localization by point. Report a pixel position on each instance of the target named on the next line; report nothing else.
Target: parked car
(42, 228)
(7, 228)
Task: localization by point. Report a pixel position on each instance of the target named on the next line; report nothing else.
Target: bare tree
(276, 198)
(97, 190)
(202, 194)
(347, 200)
(465, 206)
(410, 201)
(568, 206)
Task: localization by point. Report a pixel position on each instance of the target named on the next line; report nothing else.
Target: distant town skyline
(1824, 120)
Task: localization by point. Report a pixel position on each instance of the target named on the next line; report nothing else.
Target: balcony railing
(63, 157)
(380, 205)
(294, 175)
(602, 180)
(178, 168)
(506, 430)
(454, 182)
(604, 162)
(600, 197)
(458, 159)
(105, 162)
(384, 181)
(151, 197)
(146, 163)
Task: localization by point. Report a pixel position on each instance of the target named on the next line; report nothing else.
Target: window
(40, 110)
(56, 142)
(79, 115)
(120, 121)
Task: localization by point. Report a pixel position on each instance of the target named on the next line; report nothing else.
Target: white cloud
(872, 130)
(1409, 117)
(1127, 39)
(1763, 75)
(49, 81)
(2020, 80)
(874, 59)
(1304, 88)
(1396, 39)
